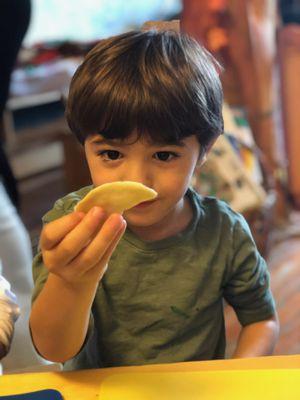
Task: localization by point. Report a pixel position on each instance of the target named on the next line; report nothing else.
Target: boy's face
(165, 168)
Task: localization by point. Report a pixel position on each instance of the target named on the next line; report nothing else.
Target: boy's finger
(55, 231)
(80, 237)
(113, 245)
(107, 237)
(101, 267)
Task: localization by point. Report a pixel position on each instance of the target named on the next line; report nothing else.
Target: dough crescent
(116, 197)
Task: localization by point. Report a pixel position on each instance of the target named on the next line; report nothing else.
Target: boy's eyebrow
(177, 144)
(123, 143)
(104, 141)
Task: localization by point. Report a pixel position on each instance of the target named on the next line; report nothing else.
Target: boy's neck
(173, 224)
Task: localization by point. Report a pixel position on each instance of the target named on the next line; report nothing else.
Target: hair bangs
(125, 105)
(160, 85)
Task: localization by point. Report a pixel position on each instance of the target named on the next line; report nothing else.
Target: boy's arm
(76, 250)
(257, 339)
(247, 290)
(59, 319)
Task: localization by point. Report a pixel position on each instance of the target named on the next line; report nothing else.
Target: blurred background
(254, 166)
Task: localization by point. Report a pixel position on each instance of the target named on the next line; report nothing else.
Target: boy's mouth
(145, 204)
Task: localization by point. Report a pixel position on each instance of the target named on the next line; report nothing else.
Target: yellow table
(86, 384)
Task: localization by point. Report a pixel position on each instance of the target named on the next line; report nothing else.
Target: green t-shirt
(162, 301)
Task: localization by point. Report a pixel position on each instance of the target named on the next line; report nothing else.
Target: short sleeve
(39, 271)
(247, 287)
(40, 275)
(61, 207)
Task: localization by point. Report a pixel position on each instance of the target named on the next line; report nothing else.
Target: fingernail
(115, 218)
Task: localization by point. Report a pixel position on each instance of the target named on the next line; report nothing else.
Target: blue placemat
(47, 394)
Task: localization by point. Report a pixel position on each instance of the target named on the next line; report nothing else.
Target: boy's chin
(141, 220)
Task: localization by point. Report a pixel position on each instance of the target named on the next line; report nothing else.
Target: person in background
(16, 259)
(15, 246)
(14, 22)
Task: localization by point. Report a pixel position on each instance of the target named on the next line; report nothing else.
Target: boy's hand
(77, 247)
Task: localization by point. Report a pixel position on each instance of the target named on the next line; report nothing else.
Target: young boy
(147, 106)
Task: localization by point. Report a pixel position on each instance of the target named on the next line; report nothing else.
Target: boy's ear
(203, 157)
(211, 144)
(201, 160)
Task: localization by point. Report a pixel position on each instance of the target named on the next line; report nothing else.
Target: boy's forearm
(59, 318)
(257, 339)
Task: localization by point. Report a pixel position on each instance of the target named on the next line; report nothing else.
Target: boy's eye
(165, 155)
(110, 154)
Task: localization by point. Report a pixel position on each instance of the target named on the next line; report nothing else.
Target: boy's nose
(139, 173)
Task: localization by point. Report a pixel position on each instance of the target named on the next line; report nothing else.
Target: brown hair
(162, 84)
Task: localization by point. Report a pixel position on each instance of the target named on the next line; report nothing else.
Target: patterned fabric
(232, 171)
